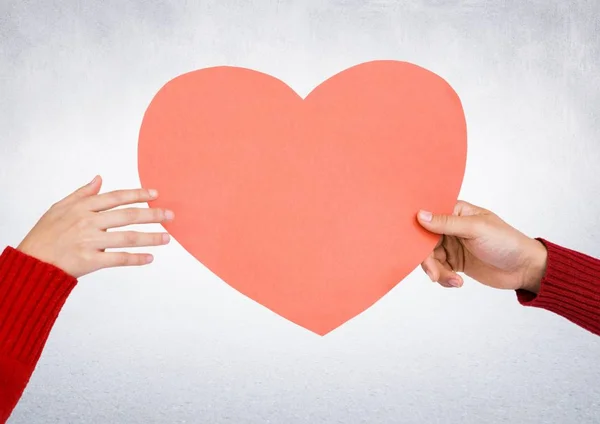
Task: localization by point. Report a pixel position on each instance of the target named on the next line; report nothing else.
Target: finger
(429, 266)
(452, 225)
(453, 254)
(432, 268)
(130, 216)
(447, 277)
(113, 199)
(440, 254)
(132, 239)
(120, 259)
(440, 273)
(439, 242)
(90, 189)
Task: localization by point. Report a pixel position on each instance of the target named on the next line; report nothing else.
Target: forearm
(570, 287)
(32, 293)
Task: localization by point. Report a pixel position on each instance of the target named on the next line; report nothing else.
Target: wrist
(537, 257)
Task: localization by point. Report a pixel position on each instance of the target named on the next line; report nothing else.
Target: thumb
(90, 189)
(451, 225)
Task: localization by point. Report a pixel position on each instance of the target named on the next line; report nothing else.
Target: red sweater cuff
(32, 293)
(570, 287)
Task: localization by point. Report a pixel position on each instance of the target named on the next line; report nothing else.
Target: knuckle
(136, 195)
(81, 246)
(83, 222)
(458, 207)
(133, 214)
(120, 197)
(60, 207)
(464, 204)
(158, 215)
(133, 260)
(441, 220)
(55, 206)
(87, 257)
(122, 259)
(51, 213)
(123, 196)
(130, 238)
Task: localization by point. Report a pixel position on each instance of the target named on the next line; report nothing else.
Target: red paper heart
(307, 205)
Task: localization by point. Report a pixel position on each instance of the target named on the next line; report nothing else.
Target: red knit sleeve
(32, 294)
(570, 288)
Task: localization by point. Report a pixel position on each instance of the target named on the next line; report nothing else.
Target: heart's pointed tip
(320, 333)
(323, 330)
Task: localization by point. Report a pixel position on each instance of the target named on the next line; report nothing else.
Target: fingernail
(430, 275)
(169, 215)
(153, 193)
(166, 238)
(149, 259)
(425, 216)
(93, 181)
(454, 282)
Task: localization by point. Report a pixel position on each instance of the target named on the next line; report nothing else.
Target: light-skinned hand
(476, 242)
(72, 235)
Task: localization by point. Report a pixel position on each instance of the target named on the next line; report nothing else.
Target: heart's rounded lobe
(308, 205)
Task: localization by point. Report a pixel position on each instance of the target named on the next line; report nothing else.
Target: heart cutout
(307, 206)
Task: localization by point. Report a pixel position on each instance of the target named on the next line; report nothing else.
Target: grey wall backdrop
(170, 343)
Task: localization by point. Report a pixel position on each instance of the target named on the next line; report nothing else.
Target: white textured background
(170, 343)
